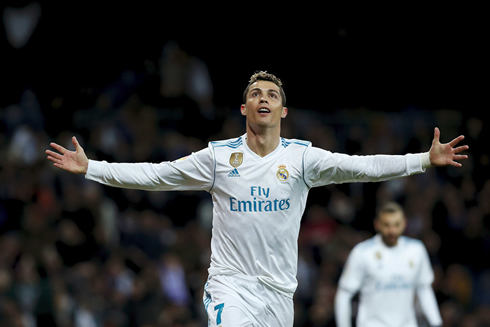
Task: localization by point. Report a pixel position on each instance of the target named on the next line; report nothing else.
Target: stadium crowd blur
(75, 253)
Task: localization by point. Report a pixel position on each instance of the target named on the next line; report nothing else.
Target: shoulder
(298, 146)
(293, 143)
(365, 246)
(412, 243)
(362, 251)
(229, 143)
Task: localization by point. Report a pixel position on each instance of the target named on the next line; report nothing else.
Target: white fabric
(387, 278)
(240, 302)
(428, 302)
(343, 308)
(258, 202)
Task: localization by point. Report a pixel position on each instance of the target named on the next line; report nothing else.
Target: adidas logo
(234, 173)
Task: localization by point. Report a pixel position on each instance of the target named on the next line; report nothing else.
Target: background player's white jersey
(387, 278)
(258, 201)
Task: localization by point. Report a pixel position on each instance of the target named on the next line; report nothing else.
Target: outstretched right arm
(195, 172)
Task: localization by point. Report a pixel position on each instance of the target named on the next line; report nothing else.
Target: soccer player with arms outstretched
(259, 183)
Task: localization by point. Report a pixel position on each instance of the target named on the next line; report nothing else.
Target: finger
(54, 154)
(54, 160)
(58, 147)
(60, 166)
(460, 157)
(461, 149)
(437, 135)
(456, 140)
(57, 163)
(75, 142)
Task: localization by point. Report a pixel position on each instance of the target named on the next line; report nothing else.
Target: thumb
(437, 135)
(75, 143)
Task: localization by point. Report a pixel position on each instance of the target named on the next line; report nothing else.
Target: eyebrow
(259, 89)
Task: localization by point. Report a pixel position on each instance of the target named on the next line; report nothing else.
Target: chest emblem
(181, 159)
(378, 255)
(282, 174)
(236, 159)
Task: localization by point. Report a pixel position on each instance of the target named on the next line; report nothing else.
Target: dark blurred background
(155, 82)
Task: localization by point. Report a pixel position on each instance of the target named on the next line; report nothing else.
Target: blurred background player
(388, 270)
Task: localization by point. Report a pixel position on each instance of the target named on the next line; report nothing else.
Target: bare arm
(73, 161)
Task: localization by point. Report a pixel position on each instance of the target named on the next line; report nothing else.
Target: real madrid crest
(236, 159)
(282, 174)
(378, 255)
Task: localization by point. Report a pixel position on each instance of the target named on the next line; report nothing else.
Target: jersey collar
(277, 149)
(401, 241)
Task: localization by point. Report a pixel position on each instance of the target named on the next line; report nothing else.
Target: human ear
(284, 112)
(243, 110)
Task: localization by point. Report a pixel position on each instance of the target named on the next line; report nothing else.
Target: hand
(73, 161)
(446, 154)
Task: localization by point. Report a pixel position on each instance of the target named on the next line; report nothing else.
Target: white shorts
(232, 301)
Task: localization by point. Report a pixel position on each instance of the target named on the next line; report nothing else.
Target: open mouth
(264, 110)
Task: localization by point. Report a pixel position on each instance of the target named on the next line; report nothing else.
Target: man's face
(263, 105)
(390, 226)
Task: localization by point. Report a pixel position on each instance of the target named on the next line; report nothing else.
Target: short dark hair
(389, 207)
(265, 76)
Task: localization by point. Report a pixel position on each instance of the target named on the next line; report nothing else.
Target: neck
(263, 142)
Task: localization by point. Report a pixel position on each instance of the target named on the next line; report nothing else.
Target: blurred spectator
(20, 23)
(186, 86)
(173, 280)
(182, 74)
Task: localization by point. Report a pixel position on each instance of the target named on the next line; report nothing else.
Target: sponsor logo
(256, 205)
(259, 201)
(282, 174)
(236, 159)
(393, 284)
(234, 173)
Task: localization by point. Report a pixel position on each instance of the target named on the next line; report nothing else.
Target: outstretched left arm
(446, 154)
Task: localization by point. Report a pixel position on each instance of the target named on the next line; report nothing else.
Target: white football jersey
(258, 201)
(387, 278)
